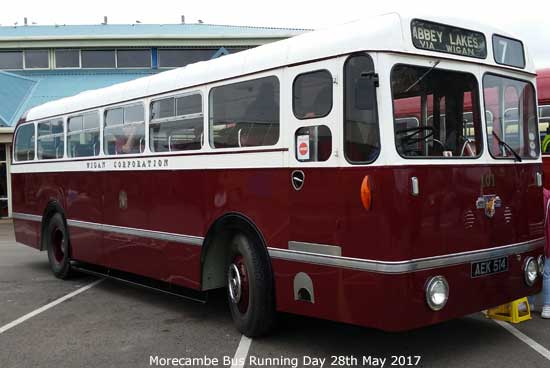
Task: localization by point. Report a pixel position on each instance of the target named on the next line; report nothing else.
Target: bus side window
(313, 143)
(51, 140)
(361, 134)
(24, 143)
(83, 135)
(176, 124)
(312, 95)
(124, 131)
(245, 114)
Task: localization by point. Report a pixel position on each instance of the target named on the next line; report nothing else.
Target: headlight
(540, 264)
(437, 292)
(530, 270)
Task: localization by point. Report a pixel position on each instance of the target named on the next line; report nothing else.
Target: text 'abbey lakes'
(449, 40)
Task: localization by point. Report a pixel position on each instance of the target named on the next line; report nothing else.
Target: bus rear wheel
(57, 244)
(250, 288)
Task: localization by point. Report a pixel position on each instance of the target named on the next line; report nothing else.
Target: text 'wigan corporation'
(290, 362)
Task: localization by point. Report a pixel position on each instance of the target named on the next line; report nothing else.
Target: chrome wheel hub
(234, 283)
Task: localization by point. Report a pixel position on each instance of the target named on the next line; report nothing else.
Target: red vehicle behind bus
(543, 93)
(288, 175)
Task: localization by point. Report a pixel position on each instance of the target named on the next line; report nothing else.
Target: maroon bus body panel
(546, 170)
(396, 302)
(84, 203)
(33, 193)
(442, 219)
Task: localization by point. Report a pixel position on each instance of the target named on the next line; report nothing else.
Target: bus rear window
(436, 113)
(24, 143)
(513, 129)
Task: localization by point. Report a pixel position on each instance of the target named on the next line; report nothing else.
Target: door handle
(297, 178)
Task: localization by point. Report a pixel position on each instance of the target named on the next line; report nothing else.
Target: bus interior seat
(82, 150)
(324, 147)
(259, 134)
(48, 150)
(111, 147)
(354, 150)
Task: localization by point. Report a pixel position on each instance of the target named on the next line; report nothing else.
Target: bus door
(315, 111)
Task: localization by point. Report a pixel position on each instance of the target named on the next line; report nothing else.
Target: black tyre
(250, 288)
(57, 244)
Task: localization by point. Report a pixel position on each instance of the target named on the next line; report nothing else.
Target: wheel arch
(215, 250)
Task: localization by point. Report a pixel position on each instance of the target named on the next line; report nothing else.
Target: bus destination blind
(508, 51)
(451, 40)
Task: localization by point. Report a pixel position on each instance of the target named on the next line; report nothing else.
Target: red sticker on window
(303, 148)
(302, 144)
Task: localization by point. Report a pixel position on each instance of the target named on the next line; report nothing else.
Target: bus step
(513, 312)
(141, 281)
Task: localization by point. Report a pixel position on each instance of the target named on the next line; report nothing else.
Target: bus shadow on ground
(471, 341)
(215, 309)
(44, 266)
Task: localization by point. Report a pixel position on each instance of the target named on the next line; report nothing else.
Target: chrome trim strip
(152, 234)
(330, 250)
(409, 265)
(26, 216)
(320, 253)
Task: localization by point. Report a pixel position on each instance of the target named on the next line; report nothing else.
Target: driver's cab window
(436, 113)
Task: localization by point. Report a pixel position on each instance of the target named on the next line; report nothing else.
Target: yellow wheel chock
(510, 312)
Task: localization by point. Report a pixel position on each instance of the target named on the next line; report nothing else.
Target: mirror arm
(372, 76)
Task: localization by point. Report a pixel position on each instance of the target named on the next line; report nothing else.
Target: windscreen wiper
(504, 144)
(423, 76)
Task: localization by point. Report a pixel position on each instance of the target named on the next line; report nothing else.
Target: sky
(527, 19)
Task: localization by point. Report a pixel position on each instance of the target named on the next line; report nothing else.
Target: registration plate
(489, 267)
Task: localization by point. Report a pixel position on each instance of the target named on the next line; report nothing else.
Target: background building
(44, 63)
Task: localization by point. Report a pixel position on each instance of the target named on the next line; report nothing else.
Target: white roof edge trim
(387, 33)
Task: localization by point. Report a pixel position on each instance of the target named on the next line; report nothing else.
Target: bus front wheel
(250, 288)
(57, 244)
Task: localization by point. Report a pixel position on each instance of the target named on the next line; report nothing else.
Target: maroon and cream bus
(287, 174)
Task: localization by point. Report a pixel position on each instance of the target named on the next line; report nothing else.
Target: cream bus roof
(389, 32)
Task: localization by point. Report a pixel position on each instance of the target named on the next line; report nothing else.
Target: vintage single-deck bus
(287, 174)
